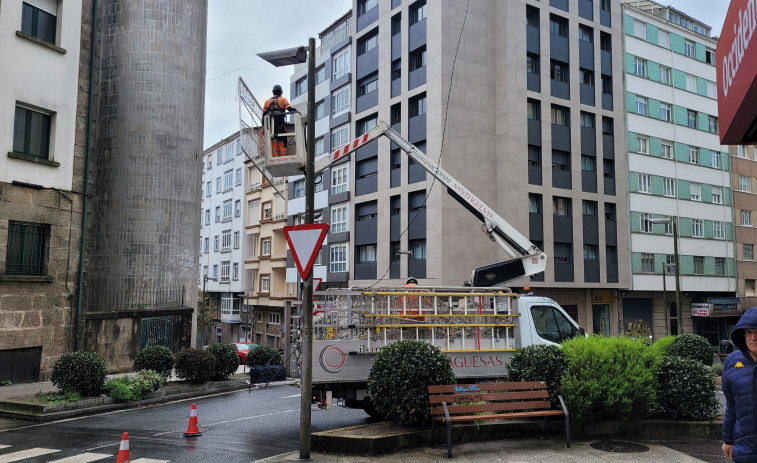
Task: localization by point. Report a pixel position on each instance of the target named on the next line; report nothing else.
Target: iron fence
(115, 299)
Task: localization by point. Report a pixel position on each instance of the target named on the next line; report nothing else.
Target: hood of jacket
(747, 321)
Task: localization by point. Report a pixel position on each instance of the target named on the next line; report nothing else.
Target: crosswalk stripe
(16, 456)
(83, 458)
(150, 460)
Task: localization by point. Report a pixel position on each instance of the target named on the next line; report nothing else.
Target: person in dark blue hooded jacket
(740, 390)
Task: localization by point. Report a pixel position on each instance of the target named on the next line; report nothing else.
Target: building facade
(678, 169)
(744, 171)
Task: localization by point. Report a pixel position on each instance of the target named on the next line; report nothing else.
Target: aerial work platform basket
(284, 152)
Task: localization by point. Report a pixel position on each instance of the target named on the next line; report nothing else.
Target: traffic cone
(192, 429)
(123, 451)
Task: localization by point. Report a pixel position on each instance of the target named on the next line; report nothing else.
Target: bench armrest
(564, 408)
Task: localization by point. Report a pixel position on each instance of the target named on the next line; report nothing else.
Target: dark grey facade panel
(416, 268)
(416, 128)
(587, 94)
(588, 141)
(395, 178)
(339, 45)
(533, 82)
(339, 197)
(337, 277)
(560, 89)
(591, 229)
(416, 78)
(611, 253)
(532, 40)
(367, 63)
(534, 132)
(339, 237)
(416, 35)
(396, 3)
(564, 265)
(563, 229)
(606, 62)
(591, 270)
(368, 18)
(607, 101)
(559, 4)
(340, 119)
(561, 170)
(365, 232)
(366, 151)
(561, 137)
(608, 146)
(604, 18)
(368, 207)
(609, 176)
(586, 9)
(344, 80)
(589, 181)
(586, 54)
(366, 102)
(535, 227)
(366, 185)
(534, 165)
(416, 225)
(611, 233)
(415, 173)
(396, 46)
(365, 270)
(558, 48)
(394, 269)
(396, 87)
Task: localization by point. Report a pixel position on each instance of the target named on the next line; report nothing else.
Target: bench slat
(494, 406)
(500, 396)
(461, 388)
(502, 416)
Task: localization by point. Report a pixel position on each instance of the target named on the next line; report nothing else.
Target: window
(367, 43)
(216, 243)
(396, 24)
(695, 191)
(665, 75)
(749, 287)
(532, 16)
(741, 151)
(40, 23)
(718, 230)
(588, 164)
(218, 214)
(367, 253)
(237, 208)
(560, 115)
(320, 110)
(691, 83)
(689, 48)
(585, 33)
(219, 184)
(417, 105)
(748, 252)
(698, 265)
(208, 188)
(267, 211)
(717, 197)
(339, 178)
(340, 101)
(605, 42)
(338, 258)
(301, 86)
(642, 144)
(647, 262)
(712, 124)
(646, 225)
(534, 203)
(586, 76)
(697, 228)
(558, 26)
(532, 64)
(714, 159)
(299, 188)
(744, 183)
(590, 251)
(228, 180)
(219, 156)
(693, 155)
(640, 67)
(365, 5)
(720, 266)
(319, 146)
(665, 112)
(639, 29)
(641, 105)
(561, 206)
(207, 216)
(644, 183)
(589, 207)
(667, 150)
(663, 38)
(396, 69)
(558, 71)
(31, 132)
(551, 324)
(712, 90)
(236, 240)
(265, 283)
(606, 84)
(235, 271)
(691, 118)
(340, 216)
(533, 109)
(206, 245)
(417, 58)
(320, 75)
(340, 136)
(226, 240)
(669, 187)
(274, 318)
(746, 217)
(238, 180)
(227, 210)
(417, 12)
(340, 64)
(265, 247)
(26, 250)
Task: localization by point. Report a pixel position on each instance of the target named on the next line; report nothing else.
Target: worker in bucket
(276, 106)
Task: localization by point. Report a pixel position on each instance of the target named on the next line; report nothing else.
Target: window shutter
(48, 6)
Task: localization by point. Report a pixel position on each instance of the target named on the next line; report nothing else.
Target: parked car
(242, 349)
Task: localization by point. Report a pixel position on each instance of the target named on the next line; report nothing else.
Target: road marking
(83, 458)
(290, 396)
(150, 460)
(201, 425)
(16, 456)
(4, 446)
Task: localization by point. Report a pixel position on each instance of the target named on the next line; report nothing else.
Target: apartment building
(744, 171)
(468, 84)
(677, 168)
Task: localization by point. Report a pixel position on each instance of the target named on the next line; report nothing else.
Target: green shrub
(400, 376)
(80, 372)
(152, 379)
(608, 378)
(539, 363)
(661, 347)
(227, 360)
(686, 389)
(717, 369)
(195, 365)
(131, 388)
(692, 346)
(264, 355)
(155, 358)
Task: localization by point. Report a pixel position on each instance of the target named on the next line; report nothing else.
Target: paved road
(236, 427)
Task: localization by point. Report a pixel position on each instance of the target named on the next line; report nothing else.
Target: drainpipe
(86, 174)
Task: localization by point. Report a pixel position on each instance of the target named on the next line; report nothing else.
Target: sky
(238, 29)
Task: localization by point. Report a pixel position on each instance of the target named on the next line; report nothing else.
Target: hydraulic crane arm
(527, 258)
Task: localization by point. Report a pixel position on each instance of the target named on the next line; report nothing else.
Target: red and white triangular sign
(305, 241)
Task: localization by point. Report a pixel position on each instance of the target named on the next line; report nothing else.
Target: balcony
(255, 186)
(280, 216)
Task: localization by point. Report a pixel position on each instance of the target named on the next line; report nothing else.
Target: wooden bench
(491, 401)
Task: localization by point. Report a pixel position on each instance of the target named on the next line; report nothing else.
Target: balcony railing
(255, 186)
(280, 216)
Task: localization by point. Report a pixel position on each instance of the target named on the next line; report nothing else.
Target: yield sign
(305, 241)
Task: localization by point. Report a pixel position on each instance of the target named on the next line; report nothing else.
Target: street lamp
(284, 58)
(674, 224)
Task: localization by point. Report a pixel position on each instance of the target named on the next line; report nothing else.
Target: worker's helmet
(411, 282)
(277, 89)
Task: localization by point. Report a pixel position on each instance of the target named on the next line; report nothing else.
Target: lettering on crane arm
(473, 201)
(430, 166)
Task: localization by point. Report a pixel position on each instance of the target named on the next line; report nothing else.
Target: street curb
(26, 411)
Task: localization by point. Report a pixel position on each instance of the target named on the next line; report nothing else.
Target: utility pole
(674, 220)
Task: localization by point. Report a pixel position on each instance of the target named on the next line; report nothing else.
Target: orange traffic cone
(123, 452)
(192, 429)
